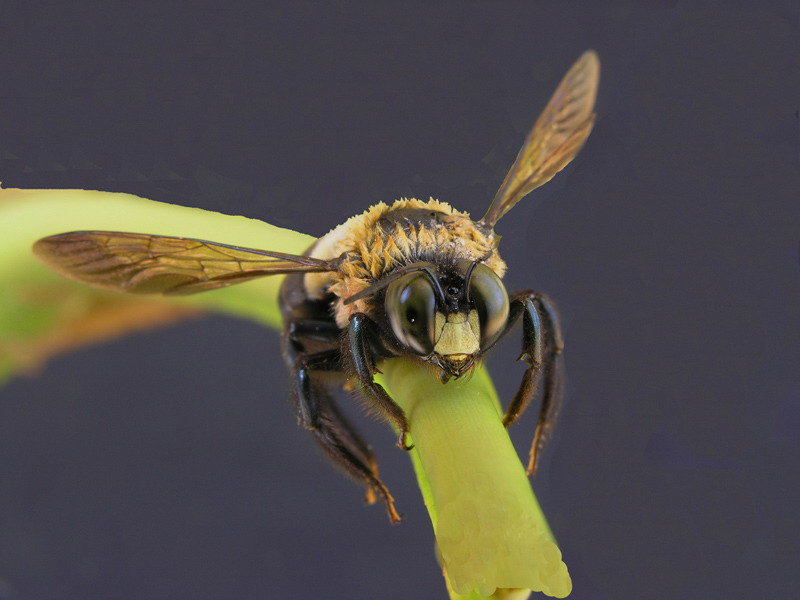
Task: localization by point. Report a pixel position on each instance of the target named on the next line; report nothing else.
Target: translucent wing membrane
(555, 139)
(152, 264)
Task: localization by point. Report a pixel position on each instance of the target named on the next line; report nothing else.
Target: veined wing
(155, 264)
(558, 135)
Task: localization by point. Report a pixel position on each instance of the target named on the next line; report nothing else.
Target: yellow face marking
(458, 336)
(438, 324)
(474, 323)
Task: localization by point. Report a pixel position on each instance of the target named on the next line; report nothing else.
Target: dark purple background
(168, 465)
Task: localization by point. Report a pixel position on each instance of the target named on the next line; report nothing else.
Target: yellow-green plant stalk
(492, 537)
(490, 531)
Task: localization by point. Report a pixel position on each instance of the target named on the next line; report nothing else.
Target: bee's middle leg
(299, 332)
(317, 411)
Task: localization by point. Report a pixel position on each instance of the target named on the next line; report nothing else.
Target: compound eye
(491, 300)
(410, 304)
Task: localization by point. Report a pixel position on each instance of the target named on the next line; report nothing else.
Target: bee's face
(448, 315)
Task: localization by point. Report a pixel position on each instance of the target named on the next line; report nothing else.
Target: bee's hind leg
(542, 349)
(317, 411)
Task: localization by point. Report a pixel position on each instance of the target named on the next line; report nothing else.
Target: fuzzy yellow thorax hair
(372, 252)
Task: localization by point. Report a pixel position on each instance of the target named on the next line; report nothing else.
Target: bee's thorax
(385, 238)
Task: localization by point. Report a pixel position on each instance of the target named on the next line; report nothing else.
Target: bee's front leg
(542, 349)
(356, 346)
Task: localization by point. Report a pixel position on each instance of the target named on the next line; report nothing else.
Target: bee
(414, 279)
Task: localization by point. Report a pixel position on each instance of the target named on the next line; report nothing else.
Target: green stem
(491, 534)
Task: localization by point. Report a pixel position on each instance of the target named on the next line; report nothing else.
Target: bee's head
(449, 314)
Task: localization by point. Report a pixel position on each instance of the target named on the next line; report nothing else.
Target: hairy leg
(317, 411)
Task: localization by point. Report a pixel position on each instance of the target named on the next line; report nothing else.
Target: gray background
(168, 465)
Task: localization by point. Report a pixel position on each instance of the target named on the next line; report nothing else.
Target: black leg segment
(317, 411)
(531, 353)
(542, 350)
(356, 346)
(308, 409)
(307, 336)
(313, 329)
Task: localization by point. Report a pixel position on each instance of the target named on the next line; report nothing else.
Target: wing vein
(142, 263)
